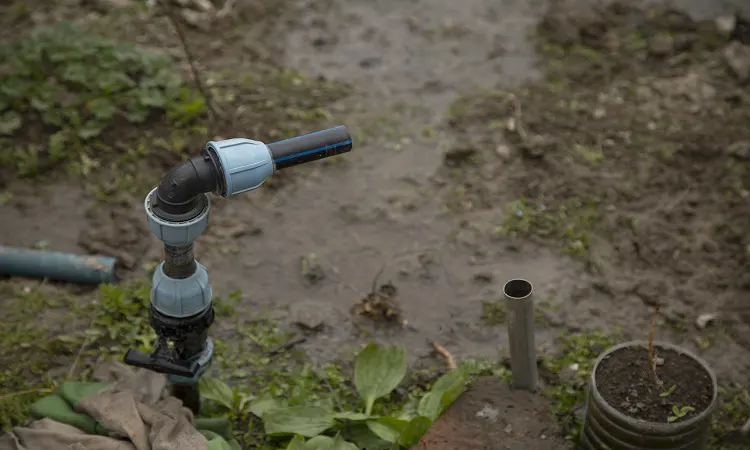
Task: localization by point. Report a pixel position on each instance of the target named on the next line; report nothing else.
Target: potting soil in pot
(625, 381)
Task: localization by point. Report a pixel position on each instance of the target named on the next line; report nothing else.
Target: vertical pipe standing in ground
(521, 333)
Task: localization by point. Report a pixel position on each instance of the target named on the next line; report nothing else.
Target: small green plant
(378, 372)
(679, 412)
(233, 400)
(494, 312)
(121, 318)
(578, 351)
(668, 392)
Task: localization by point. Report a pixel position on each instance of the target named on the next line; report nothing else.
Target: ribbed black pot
(607, 428)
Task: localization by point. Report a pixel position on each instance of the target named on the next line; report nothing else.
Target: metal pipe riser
(522, 343)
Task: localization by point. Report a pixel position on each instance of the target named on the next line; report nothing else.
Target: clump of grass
(570, 372)
(494, 312)
(732, 414)
(30, 347)
(120, 319)
(571, 222)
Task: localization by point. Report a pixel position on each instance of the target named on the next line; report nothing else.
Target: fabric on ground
(123, 409)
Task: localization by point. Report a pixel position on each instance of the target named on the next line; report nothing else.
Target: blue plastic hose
(82, 269)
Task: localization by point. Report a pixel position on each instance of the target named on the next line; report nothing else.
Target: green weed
(679, 412)
(733, 412)
(570, 222)
(73, 88)
(378, 372)
(494, 312)
(121, 319)
(29, 347)
(571, 370)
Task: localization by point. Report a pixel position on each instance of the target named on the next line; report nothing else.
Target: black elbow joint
(178, 198)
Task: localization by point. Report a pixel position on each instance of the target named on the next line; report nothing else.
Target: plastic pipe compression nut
(245, 164)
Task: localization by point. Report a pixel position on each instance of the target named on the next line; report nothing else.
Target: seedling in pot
(679, 412)
(669, 409)
(668, 392)
(651, 353)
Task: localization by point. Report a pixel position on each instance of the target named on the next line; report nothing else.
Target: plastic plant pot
(609, 427)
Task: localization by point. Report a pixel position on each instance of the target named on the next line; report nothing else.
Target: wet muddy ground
(422, 201)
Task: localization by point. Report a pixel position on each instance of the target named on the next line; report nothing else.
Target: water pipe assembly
(178, 211)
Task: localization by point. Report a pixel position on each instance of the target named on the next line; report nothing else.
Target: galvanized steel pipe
(518, 294)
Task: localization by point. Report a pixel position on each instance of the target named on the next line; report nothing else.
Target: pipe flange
(177, 233)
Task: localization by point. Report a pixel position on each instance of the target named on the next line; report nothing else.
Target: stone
(502, 151)
(725, 25)
(737, 57)
(310, 315)
(740, 149)
(661, 45)
(195, 19)
(703, 320)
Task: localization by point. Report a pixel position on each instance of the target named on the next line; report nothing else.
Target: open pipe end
(518, 289)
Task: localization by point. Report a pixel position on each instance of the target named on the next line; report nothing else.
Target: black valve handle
(310, 147)
(160, 364)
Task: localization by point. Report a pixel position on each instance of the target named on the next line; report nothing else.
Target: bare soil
(627, 383)
(649, 135)
(492, 416)
(629, 157)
